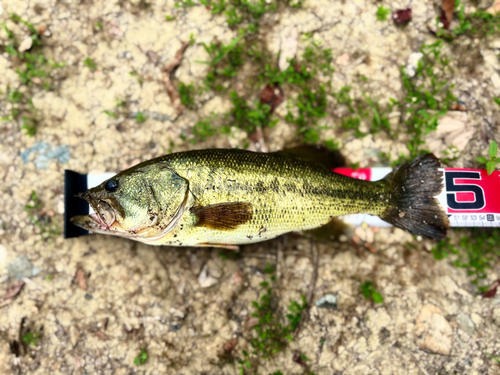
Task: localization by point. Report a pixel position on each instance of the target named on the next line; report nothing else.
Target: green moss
(137, 76)
(479, 23)
(271, 334)
(368, 290)
(428, 95)
(311, 106)
(476, 251)
(186, 93)
(31, 338)
(202, 130)
(493, 161)
(140, 118)
(382, 13)
(142, 358)
(249, 116)
(33, 69)
(48, 228)
(89, 63)
(224, 62)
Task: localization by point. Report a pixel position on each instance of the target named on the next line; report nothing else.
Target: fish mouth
(101, 220)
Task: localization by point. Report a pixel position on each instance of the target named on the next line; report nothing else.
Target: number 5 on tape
(471, 197)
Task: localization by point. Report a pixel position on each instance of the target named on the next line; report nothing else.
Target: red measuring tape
(470, 197)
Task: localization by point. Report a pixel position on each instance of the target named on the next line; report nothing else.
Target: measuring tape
(471, 197)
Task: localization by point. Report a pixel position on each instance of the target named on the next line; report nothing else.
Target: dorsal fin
(316, 155)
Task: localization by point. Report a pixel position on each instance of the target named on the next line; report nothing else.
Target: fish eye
(111, 186)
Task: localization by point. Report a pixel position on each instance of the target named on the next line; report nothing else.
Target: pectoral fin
(223, 216)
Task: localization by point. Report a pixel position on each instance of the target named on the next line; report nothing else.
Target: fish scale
(286, 194)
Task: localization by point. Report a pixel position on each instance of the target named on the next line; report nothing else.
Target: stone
(454, 129)
(465, 323)
(289, 41)
(411, 67)
(495, 78)
(21, 267)
(434, 333)
(206, 280)
(25, 44)
(328, 301)
(494, 8)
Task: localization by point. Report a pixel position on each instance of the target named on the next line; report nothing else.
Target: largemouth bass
(227, 197)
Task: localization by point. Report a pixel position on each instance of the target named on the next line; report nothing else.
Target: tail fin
(414, 208)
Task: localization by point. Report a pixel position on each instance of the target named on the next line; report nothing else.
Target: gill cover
(143, 201)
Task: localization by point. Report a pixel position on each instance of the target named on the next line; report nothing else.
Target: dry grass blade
(101, 336)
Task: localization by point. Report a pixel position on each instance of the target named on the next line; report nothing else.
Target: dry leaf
(81, 278)
(458, 106)
(153, 56)
(342, 59)
(447, 6)
(297, 358)
(13, 289)
(11, 292)
(230, 345)
(171, 91)
(272, 96)
(492, 290)
(401, 16)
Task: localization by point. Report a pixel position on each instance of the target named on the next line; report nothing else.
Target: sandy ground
(184, 305)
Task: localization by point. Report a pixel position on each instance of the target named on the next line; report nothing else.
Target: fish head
(143, 202)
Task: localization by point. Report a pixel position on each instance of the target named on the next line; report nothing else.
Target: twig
(312, 286)
(172, 92)
(314, 276)
(279, 258)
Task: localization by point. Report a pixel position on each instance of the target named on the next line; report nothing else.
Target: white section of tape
(380, 173)
(475, 220)
(358, 219)
(442, 196)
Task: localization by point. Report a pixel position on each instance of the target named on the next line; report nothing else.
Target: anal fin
(219, 245)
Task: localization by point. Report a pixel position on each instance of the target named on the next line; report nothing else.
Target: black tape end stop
(74, 183)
